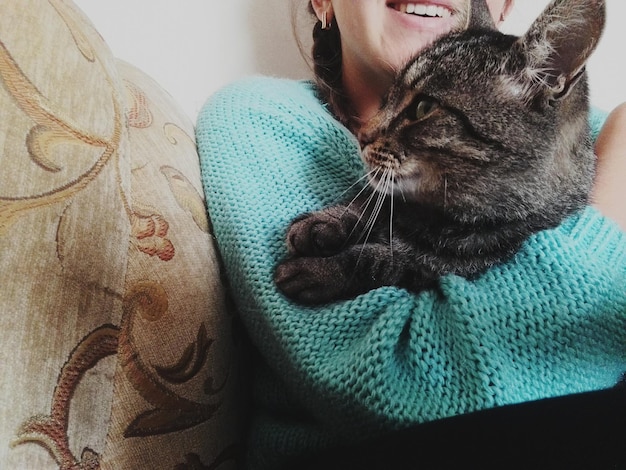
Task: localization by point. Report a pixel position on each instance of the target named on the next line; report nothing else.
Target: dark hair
(326, 57)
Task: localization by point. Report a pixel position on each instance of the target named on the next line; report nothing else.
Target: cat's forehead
(458, 59)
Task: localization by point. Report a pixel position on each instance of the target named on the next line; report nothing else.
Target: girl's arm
(550, 322)
(609, 195)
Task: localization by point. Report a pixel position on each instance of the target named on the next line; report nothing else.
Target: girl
(550, 323)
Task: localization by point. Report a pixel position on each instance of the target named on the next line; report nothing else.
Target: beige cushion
(117, 350)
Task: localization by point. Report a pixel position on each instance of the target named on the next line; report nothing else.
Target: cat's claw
(311, 281)
(317, 234)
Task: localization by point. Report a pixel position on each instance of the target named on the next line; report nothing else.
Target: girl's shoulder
(268, 95)
(283, 114)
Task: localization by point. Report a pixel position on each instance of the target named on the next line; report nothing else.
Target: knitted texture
(550, 322)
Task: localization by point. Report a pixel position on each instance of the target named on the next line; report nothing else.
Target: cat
(482, 140)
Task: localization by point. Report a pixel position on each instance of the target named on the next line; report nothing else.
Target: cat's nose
(364, 139)
(367, 135)
(373, 129)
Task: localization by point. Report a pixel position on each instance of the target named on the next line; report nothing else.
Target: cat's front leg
(311, 281)
(322, 233)
(353, 271)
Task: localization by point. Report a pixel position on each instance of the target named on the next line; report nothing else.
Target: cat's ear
(480, 16)
(560, 41)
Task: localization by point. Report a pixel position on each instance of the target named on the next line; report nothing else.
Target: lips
(422, 9)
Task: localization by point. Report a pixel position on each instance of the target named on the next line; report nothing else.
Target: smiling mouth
(419, 9)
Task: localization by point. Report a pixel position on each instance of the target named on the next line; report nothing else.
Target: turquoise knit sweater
(550, 322)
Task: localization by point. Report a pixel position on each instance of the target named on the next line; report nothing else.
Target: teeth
(424, 10)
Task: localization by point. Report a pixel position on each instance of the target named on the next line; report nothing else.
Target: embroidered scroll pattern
(170, 412)
(167, 410)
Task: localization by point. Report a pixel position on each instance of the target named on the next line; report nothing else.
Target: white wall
(193, 47)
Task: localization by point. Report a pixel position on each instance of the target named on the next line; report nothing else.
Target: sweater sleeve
(550, 322)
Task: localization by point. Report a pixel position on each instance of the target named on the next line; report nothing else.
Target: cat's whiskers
(353, 185)
(369, 175)
(373, 174)
(386, 181)
(445, 193)
(392, 182)
(380, 191)
(401, 191)
(369, 225)
(361, 191)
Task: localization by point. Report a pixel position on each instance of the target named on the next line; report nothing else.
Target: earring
(325, 23)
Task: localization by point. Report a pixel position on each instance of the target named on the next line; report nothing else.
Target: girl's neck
(364, 93)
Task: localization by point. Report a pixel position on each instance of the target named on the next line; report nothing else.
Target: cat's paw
(311, 281)
(318, 234)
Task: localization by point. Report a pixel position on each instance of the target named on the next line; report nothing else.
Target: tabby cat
(482, 141)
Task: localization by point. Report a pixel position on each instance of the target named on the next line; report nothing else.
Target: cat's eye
(424, 107)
